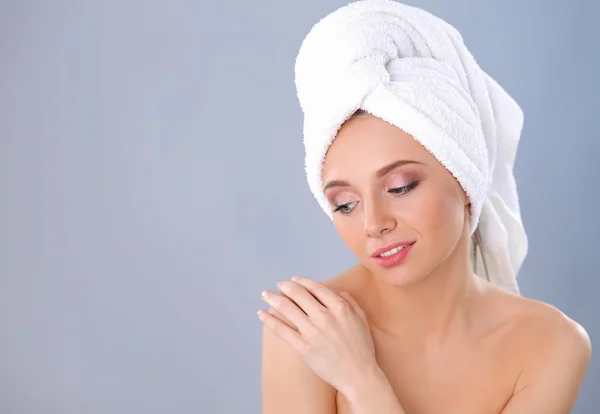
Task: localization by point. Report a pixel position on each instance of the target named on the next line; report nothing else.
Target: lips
(391, 246)
(396, 256)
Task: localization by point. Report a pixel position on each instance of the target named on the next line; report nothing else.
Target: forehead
(367, 143)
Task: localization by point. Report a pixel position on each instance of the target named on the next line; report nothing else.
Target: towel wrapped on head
(413, 70)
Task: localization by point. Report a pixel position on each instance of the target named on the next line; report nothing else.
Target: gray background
(151, 182)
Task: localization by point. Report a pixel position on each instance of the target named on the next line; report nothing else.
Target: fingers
(302, 297)
(288, 310)
(359, 311)
(322, 293)
(282, 318)
(304, 305)
(282, 330)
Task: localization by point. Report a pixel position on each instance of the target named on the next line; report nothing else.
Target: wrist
(368, 379)
(372, 392)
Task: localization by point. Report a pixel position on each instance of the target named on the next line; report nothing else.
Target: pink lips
(390, 246)
(394, 259)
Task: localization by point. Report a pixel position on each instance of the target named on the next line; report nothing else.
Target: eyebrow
(380, 173)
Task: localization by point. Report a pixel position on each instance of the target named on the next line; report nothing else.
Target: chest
(466, 378)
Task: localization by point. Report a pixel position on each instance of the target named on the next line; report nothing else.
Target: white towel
(412, 69)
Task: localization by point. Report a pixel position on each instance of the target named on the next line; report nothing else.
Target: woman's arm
(551, 384)
(288, 384)
(373, 394)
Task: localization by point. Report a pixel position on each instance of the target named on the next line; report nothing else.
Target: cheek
(439, 215)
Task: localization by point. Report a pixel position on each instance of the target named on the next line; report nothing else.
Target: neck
(432, 309)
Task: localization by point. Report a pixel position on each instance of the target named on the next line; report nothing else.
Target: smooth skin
(426, 336)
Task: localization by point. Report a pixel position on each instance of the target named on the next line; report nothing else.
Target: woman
(409, 149)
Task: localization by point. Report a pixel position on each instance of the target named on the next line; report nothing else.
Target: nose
(378, 220)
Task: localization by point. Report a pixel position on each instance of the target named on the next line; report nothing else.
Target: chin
(401, 275)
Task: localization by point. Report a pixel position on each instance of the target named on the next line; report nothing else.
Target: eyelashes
(404, 190)
(346, 208)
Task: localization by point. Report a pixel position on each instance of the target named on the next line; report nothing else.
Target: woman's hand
(329, 331)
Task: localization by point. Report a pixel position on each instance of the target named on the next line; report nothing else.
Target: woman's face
(384, 187)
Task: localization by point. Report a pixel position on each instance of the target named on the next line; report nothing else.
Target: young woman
(410, 149)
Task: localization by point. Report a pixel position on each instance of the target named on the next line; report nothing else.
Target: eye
(345, 208)
(401, 191)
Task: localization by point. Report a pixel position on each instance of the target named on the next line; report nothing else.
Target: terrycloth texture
(412, 69)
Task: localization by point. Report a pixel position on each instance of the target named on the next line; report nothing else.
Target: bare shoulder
(288, 384)
(358, 282)
(353, 280)
(550, 347)
(545, 325)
